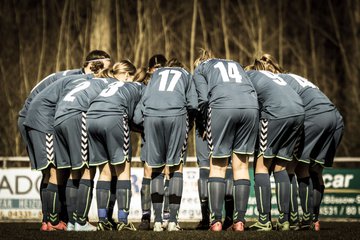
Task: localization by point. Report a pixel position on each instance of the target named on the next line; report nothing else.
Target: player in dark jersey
(323, 129)
(71, 134)
(168, 103)
(281, 120)
(228, 97)
(155, 62)
(36, 126)
(109, 119)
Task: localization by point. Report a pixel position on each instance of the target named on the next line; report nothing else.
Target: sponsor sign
(20, 199)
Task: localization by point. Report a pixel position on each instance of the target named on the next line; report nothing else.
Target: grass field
(329, 231)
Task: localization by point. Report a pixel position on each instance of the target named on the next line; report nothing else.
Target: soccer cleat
(43, 226)
(158, 227)
(172, 226)
(61, 226)
(295, 226)
(228, 222)
(315, 226)
(285, 226)
(125, 226)
(145, 223)
(238, 227)
(166, 217)
(204, 224)
(258, 226)
(305, 225)
(104, 226)
(216, 227)
(70, 227)
(84, 228)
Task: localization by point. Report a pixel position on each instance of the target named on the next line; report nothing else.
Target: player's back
(224, 84)
(314, 100)
(118, 98)
(77, 96)
(170, 92)
(41, 111)
(43, 84)
(276, 98)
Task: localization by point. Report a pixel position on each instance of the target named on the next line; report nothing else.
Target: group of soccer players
(78, 120)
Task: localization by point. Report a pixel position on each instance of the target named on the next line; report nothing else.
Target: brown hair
(142, 76)
(271, 64)
(119, 67)
(203, 56)
(174, 62)
(95, 58)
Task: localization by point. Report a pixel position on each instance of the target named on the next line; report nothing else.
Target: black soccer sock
(62, 197)
(84, 198)
(294, 206)
(53, 203)
(157, 194)
(43, 187)
(123, 197)
(146, 198)
(166, 209)
(112, 199)
(175, 193)
(241, 198)
(318, 192)
(216, 191)
(203, 193)
(282, 182)
(72, 187)
(263, 196)
(229, 198)
(305, 193)
(102, 199)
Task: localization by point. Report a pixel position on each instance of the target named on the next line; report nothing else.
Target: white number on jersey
(277, 79)
(81, 86)
(111, 89)
(303, 81)
(164, 80)
(231, 72)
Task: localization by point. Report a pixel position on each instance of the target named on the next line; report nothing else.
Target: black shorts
(72, 139)
(40, 149)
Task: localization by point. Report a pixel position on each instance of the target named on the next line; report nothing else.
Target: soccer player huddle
(76, 121)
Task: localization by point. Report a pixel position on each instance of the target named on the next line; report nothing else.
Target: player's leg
(241, 189)
(202, 154)
(216, 191)
(72, 187)
(84, 199)
(262, 193)
(175, 193)
(145, 199)
(166, 207)
(282, 192)
(103, 186)
(229, 198)
(156, 159)
(123, 196)
(318, 192)
(294, 206)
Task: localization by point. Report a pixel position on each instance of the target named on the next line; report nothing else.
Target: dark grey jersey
(313, 99)
(276, 98)
(170, 92)
(77, 96)
(43, 84)
(224, 84)
(117, 99)
(40, 115)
